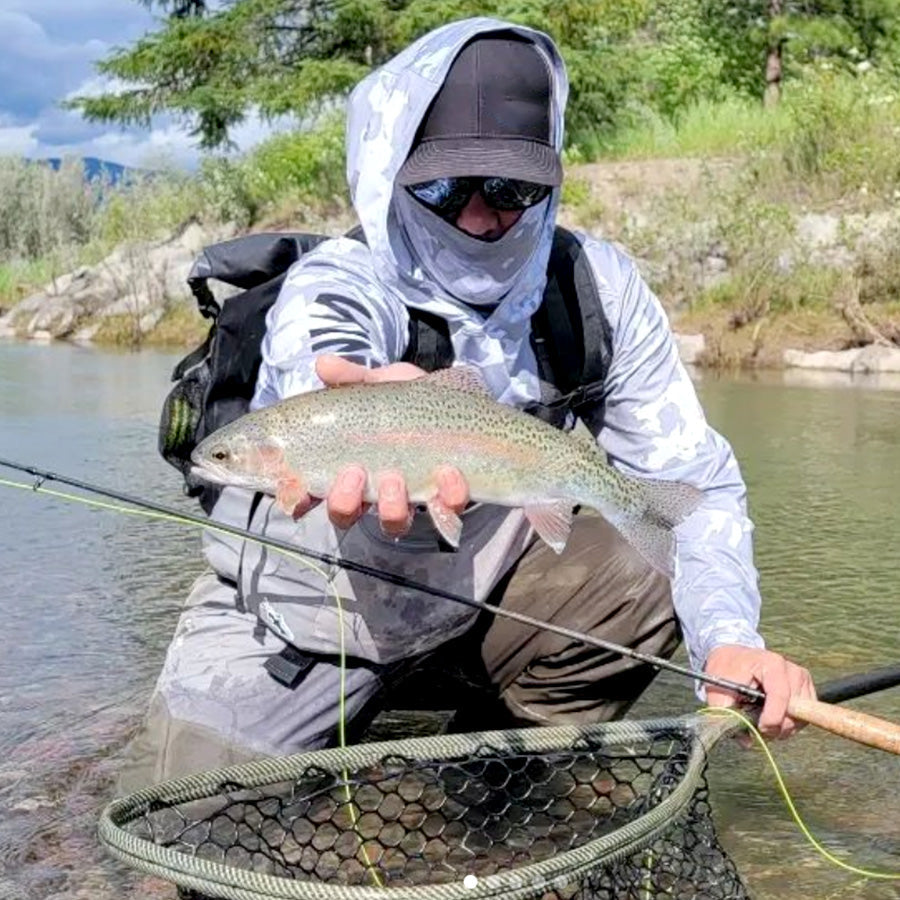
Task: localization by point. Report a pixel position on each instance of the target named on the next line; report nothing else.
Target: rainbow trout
(444, 419)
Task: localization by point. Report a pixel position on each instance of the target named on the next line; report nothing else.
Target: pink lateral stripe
(453, 441)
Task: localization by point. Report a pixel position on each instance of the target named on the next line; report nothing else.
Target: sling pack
(214, 383)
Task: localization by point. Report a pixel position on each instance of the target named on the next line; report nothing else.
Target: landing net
(617, 810)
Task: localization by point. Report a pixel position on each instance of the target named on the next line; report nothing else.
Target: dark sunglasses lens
(510, 194)
(446, 196)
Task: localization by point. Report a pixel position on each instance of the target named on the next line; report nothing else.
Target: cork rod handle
(849, 723)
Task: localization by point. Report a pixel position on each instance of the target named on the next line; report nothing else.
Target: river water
(89, 599)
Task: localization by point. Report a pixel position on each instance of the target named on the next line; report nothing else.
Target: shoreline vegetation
(762, 228)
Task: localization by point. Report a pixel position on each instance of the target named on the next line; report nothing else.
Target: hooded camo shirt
(353, 299)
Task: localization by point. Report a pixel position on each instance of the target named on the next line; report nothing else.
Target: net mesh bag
(611, 811)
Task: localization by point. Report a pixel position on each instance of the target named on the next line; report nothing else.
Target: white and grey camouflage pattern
(488, 293)
(352, 299)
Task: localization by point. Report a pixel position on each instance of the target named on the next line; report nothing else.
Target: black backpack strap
(571, 335)
(290, 666)
(557, 337)
(357, 234)
(429, 345)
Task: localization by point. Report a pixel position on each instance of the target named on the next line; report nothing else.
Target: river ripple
(90, 599)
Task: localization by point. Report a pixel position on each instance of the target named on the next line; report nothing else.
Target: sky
(47, 53)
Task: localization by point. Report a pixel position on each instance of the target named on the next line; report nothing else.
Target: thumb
(334, 370)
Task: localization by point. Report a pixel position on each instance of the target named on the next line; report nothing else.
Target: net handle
(849, 723)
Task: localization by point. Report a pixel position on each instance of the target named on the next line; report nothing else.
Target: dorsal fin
(459, 378)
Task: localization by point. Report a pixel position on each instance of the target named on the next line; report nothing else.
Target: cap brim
(527, 160)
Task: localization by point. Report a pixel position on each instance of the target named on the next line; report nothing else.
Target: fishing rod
(657, 662)
(849, 723)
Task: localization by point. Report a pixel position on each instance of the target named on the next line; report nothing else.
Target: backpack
(214, 384)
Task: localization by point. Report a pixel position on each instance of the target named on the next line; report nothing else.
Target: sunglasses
(448, 196)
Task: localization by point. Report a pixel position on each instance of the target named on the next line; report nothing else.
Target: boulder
(138, 281)
(837, 360)
(871, 358)
(690, 347)
(877, 358)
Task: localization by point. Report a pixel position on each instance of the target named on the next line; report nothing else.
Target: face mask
(477, 272)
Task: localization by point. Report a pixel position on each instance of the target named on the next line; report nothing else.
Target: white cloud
(47, 52)
(17, 140)
(28, 40)
(167, 145)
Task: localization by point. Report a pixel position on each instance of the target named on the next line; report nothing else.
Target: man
(454, 169)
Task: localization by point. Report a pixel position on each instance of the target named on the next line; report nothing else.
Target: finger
(393, 505)
(720, 697)
(345, 499)
(335, 370)
(801, 685)
(453, 490)
(775, 680)
(394, 372)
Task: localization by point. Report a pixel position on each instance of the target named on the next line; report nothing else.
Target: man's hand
(345, 498)
(768, 671)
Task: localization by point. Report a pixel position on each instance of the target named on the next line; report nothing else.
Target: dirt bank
(754, 273)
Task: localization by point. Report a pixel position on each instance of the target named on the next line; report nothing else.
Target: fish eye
(220, 454)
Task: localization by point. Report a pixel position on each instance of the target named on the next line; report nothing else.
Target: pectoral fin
(552, 521)
(290, 492)
(447, 522)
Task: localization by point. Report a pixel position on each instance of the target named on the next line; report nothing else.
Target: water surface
(90, 598)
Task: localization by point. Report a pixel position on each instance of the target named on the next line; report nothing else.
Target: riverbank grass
(712, 200)
(20, 277)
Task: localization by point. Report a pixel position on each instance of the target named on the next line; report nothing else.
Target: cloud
(34, 69)
(58, 127)
(48, 51)
(111, 21)
(17, 140)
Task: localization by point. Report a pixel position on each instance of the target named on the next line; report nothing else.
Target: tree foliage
(179, 9)
(213, 65)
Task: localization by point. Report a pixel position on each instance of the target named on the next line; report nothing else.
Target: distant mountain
(95, 168)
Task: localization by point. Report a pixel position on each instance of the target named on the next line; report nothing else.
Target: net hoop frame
(519, 883)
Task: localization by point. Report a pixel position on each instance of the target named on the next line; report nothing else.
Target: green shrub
(225, 191)
(150, 207)
(20, 277)
(752, 293)
(305, 168)
(733, 125)
(845, 131)
(43, 210)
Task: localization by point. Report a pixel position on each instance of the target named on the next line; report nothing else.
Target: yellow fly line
(342, 654)
(376, 877)
(795, 815)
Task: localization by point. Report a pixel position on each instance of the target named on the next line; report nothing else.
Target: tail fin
(650, 531)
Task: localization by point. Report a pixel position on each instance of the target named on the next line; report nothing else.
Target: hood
(488, 309)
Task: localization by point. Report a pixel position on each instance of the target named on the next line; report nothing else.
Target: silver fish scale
(416, 426)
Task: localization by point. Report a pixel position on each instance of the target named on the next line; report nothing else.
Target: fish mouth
(223, 477)
(210, 475)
